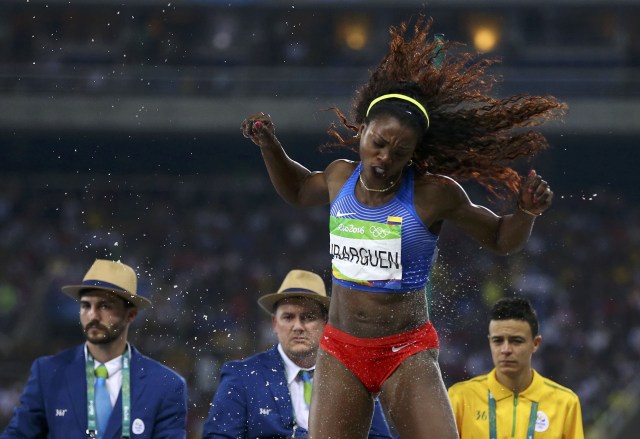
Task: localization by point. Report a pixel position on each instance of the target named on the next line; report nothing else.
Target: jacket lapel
(115, 420)
(274, 374)
(136, 382)
(76, 384)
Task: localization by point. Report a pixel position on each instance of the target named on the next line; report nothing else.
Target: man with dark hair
(513, 400)
(103, 388)
(269, 394)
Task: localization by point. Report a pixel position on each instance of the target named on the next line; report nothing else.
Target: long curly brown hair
(471, 135)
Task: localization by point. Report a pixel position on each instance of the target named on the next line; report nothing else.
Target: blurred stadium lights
(485, 32)
(224, 29)
(167, 66)
(485, 39)
(353, 31)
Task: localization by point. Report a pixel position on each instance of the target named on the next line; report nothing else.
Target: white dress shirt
(114, 382)
(296, 390)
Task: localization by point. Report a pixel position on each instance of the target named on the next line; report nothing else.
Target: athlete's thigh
(416, 399)
(341, 407)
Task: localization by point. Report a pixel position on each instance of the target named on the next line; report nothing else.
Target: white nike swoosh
(341, 214)
(398, 348)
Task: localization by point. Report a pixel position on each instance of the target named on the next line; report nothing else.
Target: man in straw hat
(103, 388)
(268, 394)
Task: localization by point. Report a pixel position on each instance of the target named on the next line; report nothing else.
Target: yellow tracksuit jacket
(556, 410)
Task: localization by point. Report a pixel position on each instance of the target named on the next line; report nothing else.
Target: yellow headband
(399, 96)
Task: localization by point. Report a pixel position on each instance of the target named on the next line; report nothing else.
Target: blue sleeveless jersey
(380, 249)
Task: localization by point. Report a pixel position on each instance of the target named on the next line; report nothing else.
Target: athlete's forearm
(514, 232)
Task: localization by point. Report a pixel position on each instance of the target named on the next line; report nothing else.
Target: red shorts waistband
(382, 342)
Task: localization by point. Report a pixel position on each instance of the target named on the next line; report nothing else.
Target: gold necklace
(379, 190)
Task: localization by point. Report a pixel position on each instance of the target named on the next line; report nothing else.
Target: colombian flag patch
(394, 220)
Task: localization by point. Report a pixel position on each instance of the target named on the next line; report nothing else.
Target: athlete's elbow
(296, 201)
(506, 249)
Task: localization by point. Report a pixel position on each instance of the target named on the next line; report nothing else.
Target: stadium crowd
(204, 262)
(196, 49)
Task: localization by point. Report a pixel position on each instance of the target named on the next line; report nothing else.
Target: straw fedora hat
(115, 277)
(297, 283)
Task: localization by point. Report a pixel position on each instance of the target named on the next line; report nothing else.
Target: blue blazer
(53, 404)
(253, 401)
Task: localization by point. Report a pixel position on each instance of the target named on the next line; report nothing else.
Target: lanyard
(126, 395)
(533, 415)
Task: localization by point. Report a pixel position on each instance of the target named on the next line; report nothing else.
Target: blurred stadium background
(119, 138)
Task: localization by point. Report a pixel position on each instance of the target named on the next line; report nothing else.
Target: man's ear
(536, 342)
(131, 314)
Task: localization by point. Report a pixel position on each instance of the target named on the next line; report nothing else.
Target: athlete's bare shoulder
(341, 165)
(336, 173)
(340, 170)
(440, 186)
(436, 194)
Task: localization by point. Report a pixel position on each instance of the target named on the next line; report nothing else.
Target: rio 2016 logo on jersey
(351, 229)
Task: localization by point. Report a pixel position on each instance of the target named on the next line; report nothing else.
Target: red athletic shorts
(373, 360)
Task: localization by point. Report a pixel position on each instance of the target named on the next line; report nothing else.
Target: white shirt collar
(291, 369)
(114, 365)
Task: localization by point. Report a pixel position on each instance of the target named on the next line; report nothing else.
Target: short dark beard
(111, 335)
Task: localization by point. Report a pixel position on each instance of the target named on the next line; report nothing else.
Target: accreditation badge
(542, 422)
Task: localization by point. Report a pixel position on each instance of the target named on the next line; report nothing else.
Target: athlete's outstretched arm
(502, 234)
(294, 183)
